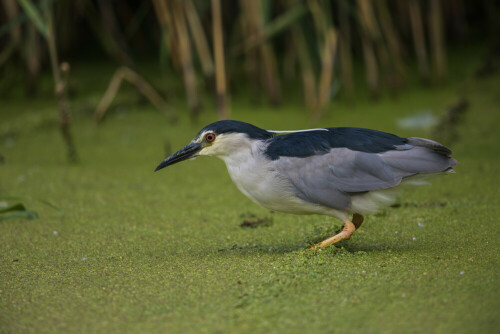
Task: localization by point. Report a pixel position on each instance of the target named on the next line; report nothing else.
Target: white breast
(258, 179)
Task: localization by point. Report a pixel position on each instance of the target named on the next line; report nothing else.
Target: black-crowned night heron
(332, 171)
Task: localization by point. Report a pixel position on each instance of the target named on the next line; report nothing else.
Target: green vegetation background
(129, 250)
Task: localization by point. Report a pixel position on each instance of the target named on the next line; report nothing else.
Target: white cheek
(210, 150)
(225, 145)
(206, 151)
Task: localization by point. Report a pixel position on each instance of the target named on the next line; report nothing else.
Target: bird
(341, 172)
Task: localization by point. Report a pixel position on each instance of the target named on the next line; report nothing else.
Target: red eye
(210, 137)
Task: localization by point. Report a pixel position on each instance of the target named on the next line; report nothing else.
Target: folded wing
(330, 178)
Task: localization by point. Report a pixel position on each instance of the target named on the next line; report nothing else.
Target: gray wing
(330, 178)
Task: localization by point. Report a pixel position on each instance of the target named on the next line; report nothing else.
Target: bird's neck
(247, 168)
(240, 150)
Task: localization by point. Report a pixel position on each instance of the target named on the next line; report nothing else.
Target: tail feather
(430, 144)
(419, 159)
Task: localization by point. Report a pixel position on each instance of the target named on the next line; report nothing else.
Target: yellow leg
(345, 234)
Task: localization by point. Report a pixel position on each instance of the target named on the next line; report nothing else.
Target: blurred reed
(42, 19)
(220, 73)
(263, 45)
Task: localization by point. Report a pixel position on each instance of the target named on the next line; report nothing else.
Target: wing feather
(327, 167)
(330, 179)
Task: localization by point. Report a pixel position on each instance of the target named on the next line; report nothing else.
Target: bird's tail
(436, 147)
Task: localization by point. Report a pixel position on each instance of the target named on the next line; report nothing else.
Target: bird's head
(221, 138)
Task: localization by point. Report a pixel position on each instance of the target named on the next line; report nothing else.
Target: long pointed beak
(185, 153)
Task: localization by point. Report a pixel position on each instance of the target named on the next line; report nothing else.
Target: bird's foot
(345, 234)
